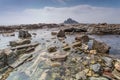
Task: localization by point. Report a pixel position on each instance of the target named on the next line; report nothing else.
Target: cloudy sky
(56, 11)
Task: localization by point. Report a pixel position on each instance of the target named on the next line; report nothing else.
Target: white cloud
(81, 13)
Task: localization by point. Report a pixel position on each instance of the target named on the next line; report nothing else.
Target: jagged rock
(61, 33)
(108, 61)
(52, 49)
(19, 42)
(100, 47)
(24, 34)
(83, 38)
(7, 57)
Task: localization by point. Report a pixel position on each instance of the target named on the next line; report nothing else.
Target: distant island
(70, 21)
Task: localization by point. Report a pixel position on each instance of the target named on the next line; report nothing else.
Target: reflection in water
(112, 40)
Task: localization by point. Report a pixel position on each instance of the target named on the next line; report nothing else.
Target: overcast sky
(56, 11)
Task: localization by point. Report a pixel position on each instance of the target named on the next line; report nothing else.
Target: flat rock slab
(21, 60)
(25, 46)
(59, 57)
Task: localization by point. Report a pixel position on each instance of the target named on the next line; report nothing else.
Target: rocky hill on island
(70, 21)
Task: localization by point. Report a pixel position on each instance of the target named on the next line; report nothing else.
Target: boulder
(100, 47)
(61, 33)
(24, 34)
(7, 57)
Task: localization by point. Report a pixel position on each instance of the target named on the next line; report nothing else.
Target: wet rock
(34, 33)
(82, 38)
(101, 47)
(98, 78)
(116, 74)
(52, 49)
(76, 44)
(24, 34)
(59, 57)
(65, 44)
(20, 60)
(84, 47)
(7, 57)
(75, 30)
(3, 59)
(25, 46)
(66, 48)
(96, 67)
(56, 64)
(30, 49)
(19, 42)
(10, 56)
(61, 33)
(93, 52)
(53, 33)
(117, 65)
(108, 61)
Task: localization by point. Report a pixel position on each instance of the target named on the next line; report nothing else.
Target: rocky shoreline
(77, 60)
(100, 29)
